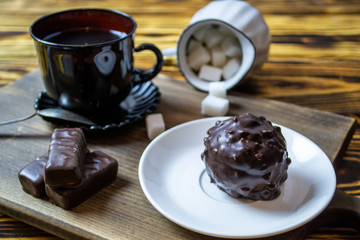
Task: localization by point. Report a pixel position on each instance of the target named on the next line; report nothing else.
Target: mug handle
(141, 76)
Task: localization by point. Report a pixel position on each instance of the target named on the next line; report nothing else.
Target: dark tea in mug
(86, 58)
(84, 36)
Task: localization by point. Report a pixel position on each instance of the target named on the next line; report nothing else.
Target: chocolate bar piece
(100, 170)
(31, 177)
(67, 153)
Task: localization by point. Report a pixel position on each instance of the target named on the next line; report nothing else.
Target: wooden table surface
(314, 61)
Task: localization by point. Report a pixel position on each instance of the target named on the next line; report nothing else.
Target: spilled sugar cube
(230, 68)
(210, 73)
(216, 103)
(217, 89)
(154, 125)
(214, 106)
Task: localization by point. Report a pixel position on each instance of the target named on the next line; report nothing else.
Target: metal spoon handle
(18, 120)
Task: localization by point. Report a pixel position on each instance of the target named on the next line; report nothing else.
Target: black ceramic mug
(86, 58)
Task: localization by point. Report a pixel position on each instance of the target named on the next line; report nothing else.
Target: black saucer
(142, 100)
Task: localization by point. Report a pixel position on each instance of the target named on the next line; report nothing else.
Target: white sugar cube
(230, 68)
(198, 57)
(200, 33)
(213, 37)
(217, 89)
(192, 45)
(218, 57)
(210, 73)
(231, 47)
(214, 106)
(154, 125)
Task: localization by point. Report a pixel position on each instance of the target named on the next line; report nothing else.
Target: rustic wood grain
(122, 208)
(314, 62)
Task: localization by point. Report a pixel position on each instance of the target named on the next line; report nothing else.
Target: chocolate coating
(31, 177)
(67, 153)
(246, 156)
(100, 170)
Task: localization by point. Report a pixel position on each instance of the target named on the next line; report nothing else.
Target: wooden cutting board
(121, 210)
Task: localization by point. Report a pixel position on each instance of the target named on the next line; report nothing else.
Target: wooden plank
(121, 210)
(305, 25)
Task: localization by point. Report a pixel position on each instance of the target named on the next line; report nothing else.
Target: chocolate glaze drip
(246, 156)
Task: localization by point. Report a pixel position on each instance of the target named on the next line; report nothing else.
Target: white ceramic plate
(173, 178)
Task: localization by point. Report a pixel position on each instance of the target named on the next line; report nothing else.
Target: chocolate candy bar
(99, 171)
(31, 177)
(67, 152)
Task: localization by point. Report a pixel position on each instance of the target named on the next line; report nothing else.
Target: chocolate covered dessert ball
(246, 156)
